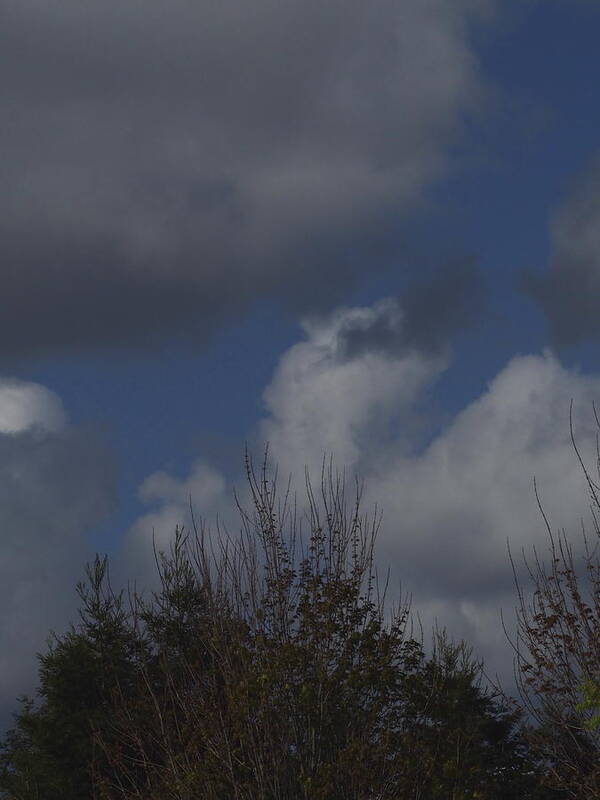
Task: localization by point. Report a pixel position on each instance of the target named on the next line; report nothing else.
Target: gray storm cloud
(165, 165)
(425, 318)
(569, 292)
(56, 482)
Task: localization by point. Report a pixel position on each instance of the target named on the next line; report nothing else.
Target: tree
(471, 742)
(267, 666)
(49, 752)
(311, 691)
(303, 696)
(558, 654)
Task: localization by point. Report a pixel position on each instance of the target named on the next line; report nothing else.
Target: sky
(365, 231)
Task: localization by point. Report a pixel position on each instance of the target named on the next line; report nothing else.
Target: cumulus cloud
(323, 398)
(56, 482)
(174, 503)
(344, 387)
(163, 167)
(451, 509)
(448, 507)
(569, 292)
(25, 405)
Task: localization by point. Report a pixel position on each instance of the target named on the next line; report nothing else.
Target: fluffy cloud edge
(448, 509)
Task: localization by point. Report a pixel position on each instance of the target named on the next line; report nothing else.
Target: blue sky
(371, 233)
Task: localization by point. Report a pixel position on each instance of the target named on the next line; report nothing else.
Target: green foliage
(590, 703)
(469, 742)
(271, 670)
(49, 752)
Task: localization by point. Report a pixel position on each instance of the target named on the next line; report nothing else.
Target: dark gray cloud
(56, 482)
(163, 166)
(569, 293)
(425, 318)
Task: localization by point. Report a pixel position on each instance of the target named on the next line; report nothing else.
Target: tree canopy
(268, 665)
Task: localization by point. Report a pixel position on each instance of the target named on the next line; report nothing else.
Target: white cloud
(204, 489)
(473, 486)
(449, 508)
(25, 405)
(322, 402)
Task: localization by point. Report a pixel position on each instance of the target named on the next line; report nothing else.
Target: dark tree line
(266, 667)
